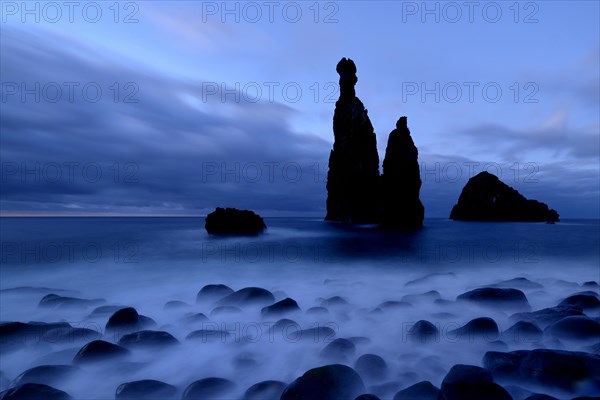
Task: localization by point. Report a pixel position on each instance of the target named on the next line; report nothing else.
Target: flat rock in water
(231, 221)
(554, 368)
(209, 388)
(329, 382)
(496, 298)
(147, 389)
(34, 391)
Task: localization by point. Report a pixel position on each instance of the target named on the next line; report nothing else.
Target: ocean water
(147, 262)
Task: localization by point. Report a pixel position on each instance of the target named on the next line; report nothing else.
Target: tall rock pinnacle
(353, 177)
(401, 181)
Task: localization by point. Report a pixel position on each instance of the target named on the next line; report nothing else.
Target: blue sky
(527, 109)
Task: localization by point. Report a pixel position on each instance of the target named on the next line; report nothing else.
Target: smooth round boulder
(248, 296)
(329, 382)
(419, 391)
(209, 388)
(148, 339)
(423, 332)
(99, 350)
(213, 292)
(575, 328)
(469, 382)
(587, 302)
(496, 298)
(45, 374)
(265, 390)
(285, 306)
(335, 301)
(523, 332)
(338, 350)
(128, 320)
(483, 328)
(371, 367)
(146, 389)
(34, 391)
(538, 396)
(547, 316)
(367, 397)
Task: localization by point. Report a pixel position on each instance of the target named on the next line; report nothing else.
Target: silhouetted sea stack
(401, 181)
(352, 180)
(486, 198)
(231, 221)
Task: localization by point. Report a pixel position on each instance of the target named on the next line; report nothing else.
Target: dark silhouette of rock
(401, 181)
(99, 350)
(338, 350)
(523, 332)
(247, 296)
(371, 367)
(213, 292)
(282, 307)
(423, 331)
(127, 320)
(60, 302)
(486, 198)
(496, 297)
(419, 391)
(587, 302)
(468, 382)
(231, 221)
(562, 369)
(547, 316)
(147, 389)
(209, 388)
(45, 374)
(31, 391)
(353, 176)
(330, 382)
(577, 327)
(483, 328)
(265, 390)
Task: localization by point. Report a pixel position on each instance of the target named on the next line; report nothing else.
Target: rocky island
(231, 221)
(487, 198)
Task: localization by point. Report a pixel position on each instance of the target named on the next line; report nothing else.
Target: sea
(368, 285)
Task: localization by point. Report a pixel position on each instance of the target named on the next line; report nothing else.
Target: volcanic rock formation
(401, 181)
(486, 198)
(352, 180)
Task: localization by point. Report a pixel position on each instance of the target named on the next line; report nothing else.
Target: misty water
(146, 262)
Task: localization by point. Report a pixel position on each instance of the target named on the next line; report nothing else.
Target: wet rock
(208, 335)
(265, 390)
(195, 318)
(468, 382)
(30, 391)
(423, 331)
(401, 181)
(587, 302)
(280, 308)
(247, 296)
(555, 368)
(547, 316)
(367, 397)
(209, 388)
(371, 367)
(329, 382)
(147, 389)
(55, 301)
(419, 391)
(575, 328)
(591, 285)
(105, 310)
(353, 176)
(335, 301)
(231, 221)
(45, 374)
(486, 198)
(523, 332)
(338, 350)
(128, 320)
(70, 335)
(213, 292)
(432, 295)
(225, 310)
(496, 298)
(518, 283)
(483, 328)
(537, 396)
(148, 339)
(175, 305)
(99, 350)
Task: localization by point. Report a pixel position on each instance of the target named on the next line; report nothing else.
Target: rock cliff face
(486, 198)
(401, 181)
(353, 177)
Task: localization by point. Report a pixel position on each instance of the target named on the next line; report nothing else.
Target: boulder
(486, 198)
(496, 298)
(468, 382)
(419, 391)
(282, 307)
(147, 389)
(577, 327)
(128, 320)
(329, 382)
(209, 388)
(423, 331)
(338, 350)
(247, 296)
(213, 292)
(99, 350)
(45, 374)
(31, 391)
(231, 221)
(265, 390)
(371, 367)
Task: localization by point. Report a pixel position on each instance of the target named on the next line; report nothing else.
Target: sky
(175, 108)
